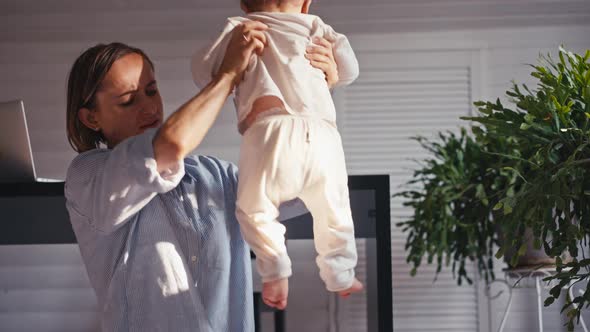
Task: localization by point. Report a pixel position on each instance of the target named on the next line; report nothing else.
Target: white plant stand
(522, 278)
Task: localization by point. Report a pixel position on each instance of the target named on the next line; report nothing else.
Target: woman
(156, 231)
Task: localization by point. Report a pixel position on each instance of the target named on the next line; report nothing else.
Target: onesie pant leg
(327, 198)
(270, 172)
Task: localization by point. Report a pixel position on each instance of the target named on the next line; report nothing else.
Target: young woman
(156, 228)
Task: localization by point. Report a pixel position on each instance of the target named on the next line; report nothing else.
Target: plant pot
(532, 257)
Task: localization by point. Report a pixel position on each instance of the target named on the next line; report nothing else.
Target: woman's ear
(88, 118)
(305, 7)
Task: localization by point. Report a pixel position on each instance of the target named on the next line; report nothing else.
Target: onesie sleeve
(348, 67)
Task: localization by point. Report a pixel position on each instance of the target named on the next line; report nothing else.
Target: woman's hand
(185, 129)
(321, 56)
(246, 39)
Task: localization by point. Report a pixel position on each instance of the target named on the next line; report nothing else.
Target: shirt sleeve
(108, 187)
(206, 61)
(233, 176)
(348, 66)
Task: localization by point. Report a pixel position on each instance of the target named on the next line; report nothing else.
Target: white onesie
(294, 155)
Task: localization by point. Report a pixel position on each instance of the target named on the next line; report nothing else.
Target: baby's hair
(255, 5)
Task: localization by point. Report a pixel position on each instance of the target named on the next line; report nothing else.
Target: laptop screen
(16, 158)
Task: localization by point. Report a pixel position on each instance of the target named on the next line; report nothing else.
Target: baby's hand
(275, 293)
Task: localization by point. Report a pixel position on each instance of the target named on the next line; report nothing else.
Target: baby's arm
(348, 66)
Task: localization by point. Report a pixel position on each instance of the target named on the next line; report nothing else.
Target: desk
(34, 213)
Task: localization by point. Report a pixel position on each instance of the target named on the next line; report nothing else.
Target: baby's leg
(267, 177)
(327, 199)
(356, 287)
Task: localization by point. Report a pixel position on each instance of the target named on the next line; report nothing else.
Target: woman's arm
(105, 188)
(185, 129)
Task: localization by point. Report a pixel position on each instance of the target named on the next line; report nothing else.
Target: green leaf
(560, 203)
(522, 250)
(499, 205)
(499, 253)
(555, 188)
(514, 260)
(555, 102)
(558, 261)
(549, 301)
(555, 291)
(553, 156)
(572, 313)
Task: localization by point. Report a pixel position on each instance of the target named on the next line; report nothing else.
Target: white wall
(485, 42)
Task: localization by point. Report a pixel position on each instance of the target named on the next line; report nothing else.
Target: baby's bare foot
(275, 293)
(355, 288)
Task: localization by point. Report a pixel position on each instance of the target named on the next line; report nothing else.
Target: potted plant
(525, 171)
(450, 195)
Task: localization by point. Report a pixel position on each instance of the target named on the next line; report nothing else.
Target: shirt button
(194, 258)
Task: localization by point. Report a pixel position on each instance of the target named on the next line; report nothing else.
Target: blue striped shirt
(163, 251)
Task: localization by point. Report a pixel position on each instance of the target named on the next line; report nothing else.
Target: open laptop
(16, 156)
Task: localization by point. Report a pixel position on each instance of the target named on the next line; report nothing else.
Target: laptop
(16, 156)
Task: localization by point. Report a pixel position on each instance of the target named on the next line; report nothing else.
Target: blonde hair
(84, 80)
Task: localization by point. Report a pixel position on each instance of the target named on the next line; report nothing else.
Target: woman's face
(128, 101)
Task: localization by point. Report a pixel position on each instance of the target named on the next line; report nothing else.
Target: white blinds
(399, 95)
(45, 288)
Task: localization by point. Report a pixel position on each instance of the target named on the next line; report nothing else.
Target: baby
(291, 147)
